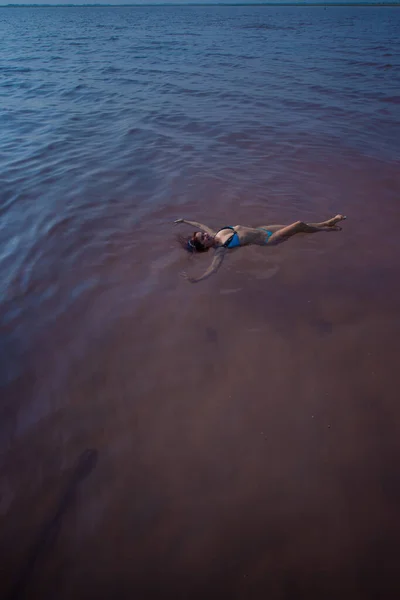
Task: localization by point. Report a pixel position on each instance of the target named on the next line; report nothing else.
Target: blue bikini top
(233, 241)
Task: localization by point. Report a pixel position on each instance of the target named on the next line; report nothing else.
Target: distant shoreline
(98, 5)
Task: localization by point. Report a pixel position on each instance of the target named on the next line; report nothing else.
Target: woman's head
(199, 241)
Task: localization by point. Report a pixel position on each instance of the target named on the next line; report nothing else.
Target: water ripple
(114, 121)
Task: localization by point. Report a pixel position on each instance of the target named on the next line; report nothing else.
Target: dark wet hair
(191, 244)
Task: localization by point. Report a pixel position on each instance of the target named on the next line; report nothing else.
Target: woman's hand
(196, 225)
(215, 265)
(187, 277)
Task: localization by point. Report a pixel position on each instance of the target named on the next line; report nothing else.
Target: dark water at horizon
(234, 439)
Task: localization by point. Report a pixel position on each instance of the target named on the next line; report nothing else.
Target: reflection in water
(48, 533)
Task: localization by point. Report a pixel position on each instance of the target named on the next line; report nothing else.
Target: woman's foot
(332, 222)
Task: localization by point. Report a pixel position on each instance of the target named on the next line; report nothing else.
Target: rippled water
(239, 426)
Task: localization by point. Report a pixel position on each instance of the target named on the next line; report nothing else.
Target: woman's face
(204, 238)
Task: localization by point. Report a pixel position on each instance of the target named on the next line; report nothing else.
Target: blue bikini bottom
(269, 233)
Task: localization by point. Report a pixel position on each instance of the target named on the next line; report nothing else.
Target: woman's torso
(240, 235)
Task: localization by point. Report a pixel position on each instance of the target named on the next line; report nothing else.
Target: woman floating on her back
(230, 237)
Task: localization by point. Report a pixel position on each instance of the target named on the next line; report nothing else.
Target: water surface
(245, 429)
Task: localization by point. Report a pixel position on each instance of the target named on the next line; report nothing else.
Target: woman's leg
(300, 227)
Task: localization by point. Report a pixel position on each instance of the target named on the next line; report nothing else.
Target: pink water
(234, 439)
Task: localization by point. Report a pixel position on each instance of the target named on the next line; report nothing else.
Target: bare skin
(264, 235)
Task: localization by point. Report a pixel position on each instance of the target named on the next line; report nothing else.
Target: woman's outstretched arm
(197, 225)
(213, 268)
